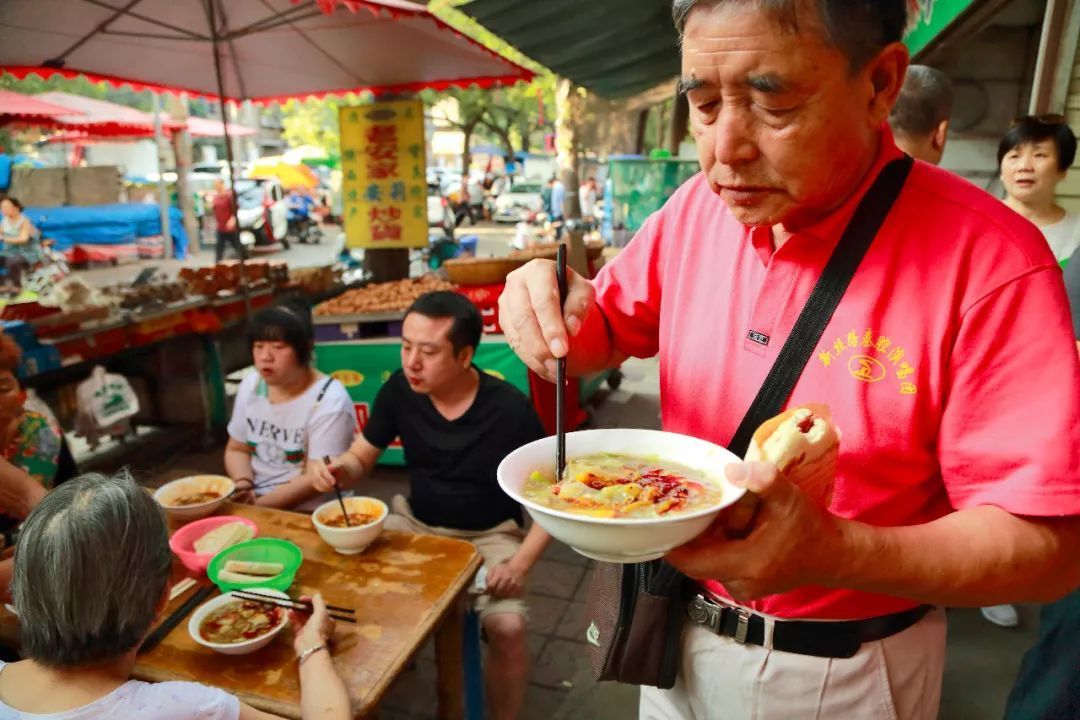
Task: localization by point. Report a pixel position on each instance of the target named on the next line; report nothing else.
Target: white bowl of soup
(231, 625)
(366, 518)
(194, 497)
(627, 496)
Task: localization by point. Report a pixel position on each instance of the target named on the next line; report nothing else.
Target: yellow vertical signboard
(383, 164)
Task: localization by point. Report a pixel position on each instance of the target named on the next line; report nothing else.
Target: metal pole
(163, 192)
(214, 40)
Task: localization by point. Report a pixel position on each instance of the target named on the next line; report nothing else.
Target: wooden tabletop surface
(401, 587)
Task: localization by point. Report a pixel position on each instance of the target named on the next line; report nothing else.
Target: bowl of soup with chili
(232, 625)
(191, 498)
(365, 522)
(627, 495)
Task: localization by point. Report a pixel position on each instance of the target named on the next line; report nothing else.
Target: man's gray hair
(91, 565)
(925, 101)
(858, 28)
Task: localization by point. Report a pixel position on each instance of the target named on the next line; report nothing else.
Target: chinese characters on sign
(383, 166)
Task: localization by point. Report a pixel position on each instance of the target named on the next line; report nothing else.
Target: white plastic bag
(106, 398)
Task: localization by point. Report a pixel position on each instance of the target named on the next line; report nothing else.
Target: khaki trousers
(898, 678)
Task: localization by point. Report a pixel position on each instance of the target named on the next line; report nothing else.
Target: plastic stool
(474, 673)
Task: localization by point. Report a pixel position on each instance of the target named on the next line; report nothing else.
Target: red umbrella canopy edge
(270, 50)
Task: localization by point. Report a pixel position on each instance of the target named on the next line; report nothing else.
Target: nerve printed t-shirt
(283, 435)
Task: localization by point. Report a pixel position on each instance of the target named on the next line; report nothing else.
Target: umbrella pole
(163, 193)
(215, 42)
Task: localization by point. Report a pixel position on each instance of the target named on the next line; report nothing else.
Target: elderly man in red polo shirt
(957, 479)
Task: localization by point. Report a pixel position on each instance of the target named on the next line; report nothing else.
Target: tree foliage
(33, 85)
(515, 118)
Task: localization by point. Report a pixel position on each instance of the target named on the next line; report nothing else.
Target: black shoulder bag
(636, 611)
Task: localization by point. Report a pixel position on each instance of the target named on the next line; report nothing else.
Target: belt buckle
(705, 613)
(743, 626)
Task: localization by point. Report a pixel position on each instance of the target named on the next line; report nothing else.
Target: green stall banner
(932, 17)
(363, 368)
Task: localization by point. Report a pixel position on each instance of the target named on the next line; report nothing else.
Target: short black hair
(13, 201)
(925, 101)
(467, 327)
(1035, 128)
(289, 324)
(858, 28)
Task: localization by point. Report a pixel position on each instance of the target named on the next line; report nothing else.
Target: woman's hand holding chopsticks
(312, 630)
(323, 694)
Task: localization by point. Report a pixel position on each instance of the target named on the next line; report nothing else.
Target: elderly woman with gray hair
(91, 576)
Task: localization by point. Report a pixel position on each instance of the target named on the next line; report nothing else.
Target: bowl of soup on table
(234, 626)
(194, 497)
(627, 495)
(366, 518)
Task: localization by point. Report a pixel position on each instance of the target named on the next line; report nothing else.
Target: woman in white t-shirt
(91, 579)
(1034, 157)
(286, 415)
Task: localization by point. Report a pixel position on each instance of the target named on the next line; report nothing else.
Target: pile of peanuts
(382, 297)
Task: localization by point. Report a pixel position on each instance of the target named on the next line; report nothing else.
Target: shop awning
(269, 49)
(209, 127)
(101, 118)
(622, 47)
(28, 109)
(612, 47)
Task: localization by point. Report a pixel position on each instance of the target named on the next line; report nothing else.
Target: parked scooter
(304, 230)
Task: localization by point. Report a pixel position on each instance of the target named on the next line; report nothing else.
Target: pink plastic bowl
(183, 540)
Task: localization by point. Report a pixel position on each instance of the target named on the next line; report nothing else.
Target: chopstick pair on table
(340, 614)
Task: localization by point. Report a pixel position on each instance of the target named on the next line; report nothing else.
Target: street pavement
(493, 240)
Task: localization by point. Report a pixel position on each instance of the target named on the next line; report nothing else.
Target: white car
(521, 203)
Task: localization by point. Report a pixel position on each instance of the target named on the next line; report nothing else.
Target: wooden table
(404, 587)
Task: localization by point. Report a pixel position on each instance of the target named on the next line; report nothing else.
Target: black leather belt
(840, 639)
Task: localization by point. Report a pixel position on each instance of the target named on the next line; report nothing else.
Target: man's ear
(886, 73)
(940, 136)
(466, 355)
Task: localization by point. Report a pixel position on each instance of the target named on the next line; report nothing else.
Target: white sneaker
(1001, 615)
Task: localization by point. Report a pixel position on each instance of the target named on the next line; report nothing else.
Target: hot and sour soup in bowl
(627, 496)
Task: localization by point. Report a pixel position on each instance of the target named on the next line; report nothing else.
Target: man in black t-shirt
(456, 424)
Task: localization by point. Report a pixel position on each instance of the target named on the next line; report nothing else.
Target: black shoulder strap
(830, 287)
(325, 387)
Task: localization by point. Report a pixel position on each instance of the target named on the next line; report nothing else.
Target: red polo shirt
(950, 364)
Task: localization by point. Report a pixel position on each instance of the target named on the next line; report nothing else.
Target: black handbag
(636, 611)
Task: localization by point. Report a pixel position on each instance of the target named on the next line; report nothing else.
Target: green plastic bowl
(259, 550)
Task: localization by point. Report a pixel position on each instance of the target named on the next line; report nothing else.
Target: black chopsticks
(337, 491)
(560, 376)
(338, 613)
(173, 620)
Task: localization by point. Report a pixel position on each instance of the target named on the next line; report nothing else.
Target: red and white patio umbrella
(257, 50)
(267, 50)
